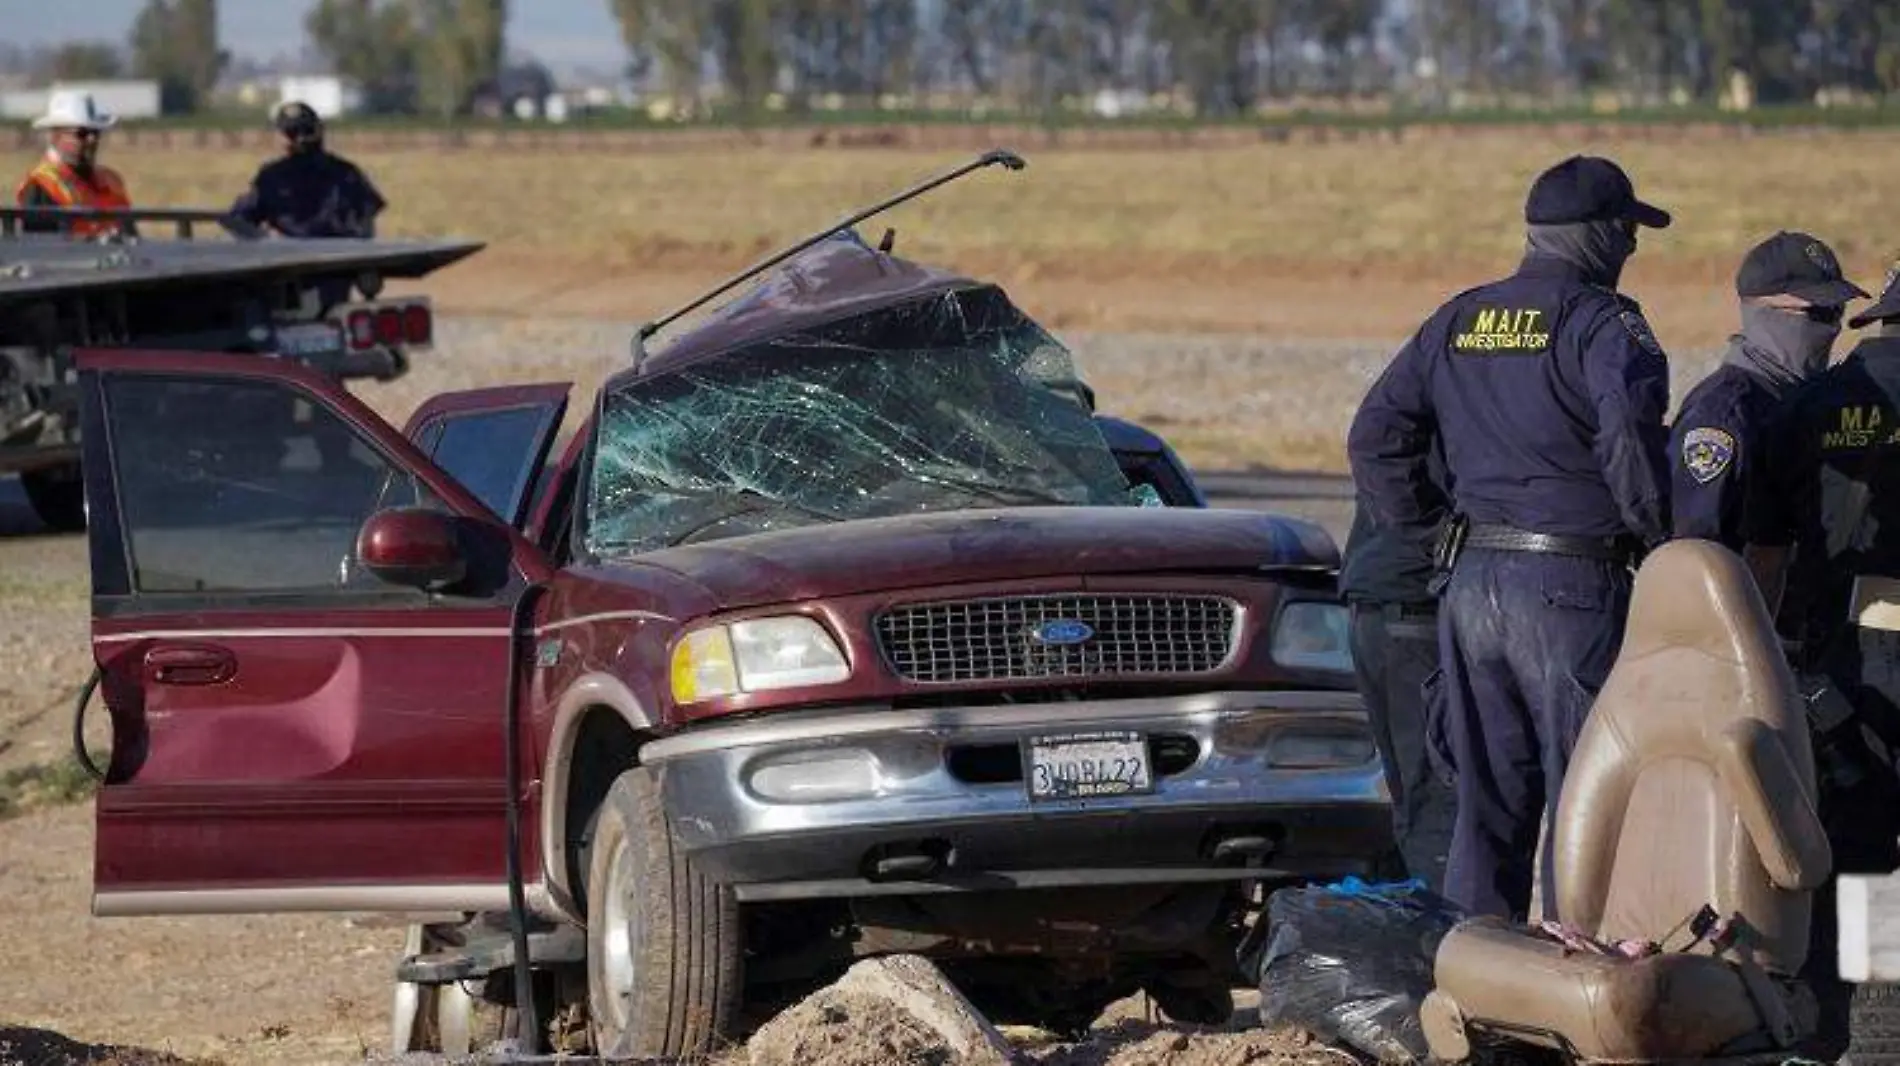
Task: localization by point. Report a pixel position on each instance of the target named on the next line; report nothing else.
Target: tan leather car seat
(1691, 784)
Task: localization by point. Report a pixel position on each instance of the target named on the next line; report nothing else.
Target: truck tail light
(418, 327)
(389, 326)
(362, 332)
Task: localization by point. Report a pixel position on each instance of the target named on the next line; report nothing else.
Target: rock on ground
(896, 1009)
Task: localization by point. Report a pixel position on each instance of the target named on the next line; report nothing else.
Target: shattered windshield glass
(955, 401)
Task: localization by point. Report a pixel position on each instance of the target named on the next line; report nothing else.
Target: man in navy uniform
(1826, 527)
(1548, 391)
(1385, 575)
(1793, 297)
(1827, 531)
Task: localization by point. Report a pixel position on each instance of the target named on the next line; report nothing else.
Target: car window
(1151, 470)
(426, 440)
(240, 486)
(492, 453)
(1141, 472)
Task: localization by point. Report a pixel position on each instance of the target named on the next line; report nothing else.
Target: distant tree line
(1229, 56)
(173, 42)
(1215, 57)
(431, 56)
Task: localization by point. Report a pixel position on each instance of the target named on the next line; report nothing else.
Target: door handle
(190, 665)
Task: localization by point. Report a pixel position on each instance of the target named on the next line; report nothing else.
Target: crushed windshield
(956, 401)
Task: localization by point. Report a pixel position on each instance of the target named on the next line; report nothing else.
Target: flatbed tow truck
(215, 286)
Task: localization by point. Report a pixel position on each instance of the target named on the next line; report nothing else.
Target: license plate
(1087, 765)
(315, 339)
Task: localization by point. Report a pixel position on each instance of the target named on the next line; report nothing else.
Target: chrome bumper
(1246, 785)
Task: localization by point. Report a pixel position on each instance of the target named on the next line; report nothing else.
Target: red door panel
(387, 743)
(288, 731)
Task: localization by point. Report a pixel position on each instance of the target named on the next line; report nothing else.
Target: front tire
(663, 947)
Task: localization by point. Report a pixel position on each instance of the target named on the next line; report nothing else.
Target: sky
(560, 33)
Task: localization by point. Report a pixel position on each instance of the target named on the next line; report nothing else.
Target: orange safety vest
(68, 189)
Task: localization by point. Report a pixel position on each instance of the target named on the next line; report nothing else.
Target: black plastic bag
(1351, 963)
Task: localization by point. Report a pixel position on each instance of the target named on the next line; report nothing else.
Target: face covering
(1783, 347)
(1599, 249)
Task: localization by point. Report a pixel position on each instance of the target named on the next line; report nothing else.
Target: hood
(969, 547)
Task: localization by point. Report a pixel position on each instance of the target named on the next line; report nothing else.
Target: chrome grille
(995, 639)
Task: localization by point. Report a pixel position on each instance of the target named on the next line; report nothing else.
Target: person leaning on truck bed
(70, 175)
(310, 191)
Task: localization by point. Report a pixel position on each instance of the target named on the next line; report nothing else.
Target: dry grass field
(1342, 240)
(1296, 247)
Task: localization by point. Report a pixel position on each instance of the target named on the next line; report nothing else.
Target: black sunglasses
(1827, 315)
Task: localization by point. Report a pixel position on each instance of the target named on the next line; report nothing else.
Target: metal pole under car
(527, 1025)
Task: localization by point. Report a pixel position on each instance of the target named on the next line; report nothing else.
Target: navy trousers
(1395, 651)
(1859, 806)
(1526, 642)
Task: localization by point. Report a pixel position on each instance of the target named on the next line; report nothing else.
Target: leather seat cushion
(1608, 1008)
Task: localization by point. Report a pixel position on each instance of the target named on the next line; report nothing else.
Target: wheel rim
(617, 967)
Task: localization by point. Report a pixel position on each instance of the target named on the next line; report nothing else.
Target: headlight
(1313, 635)
(755, 656)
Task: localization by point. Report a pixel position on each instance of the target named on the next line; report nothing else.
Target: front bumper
(1247, 785)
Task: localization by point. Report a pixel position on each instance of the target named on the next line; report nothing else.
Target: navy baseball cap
(1888, 306)
(1796, 264)
(296, 117)
(1588, 188)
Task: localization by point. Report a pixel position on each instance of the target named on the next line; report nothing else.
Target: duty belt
(1507, 538)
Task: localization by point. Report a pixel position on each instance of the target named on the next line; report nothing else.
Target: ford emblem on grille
(1062, 631)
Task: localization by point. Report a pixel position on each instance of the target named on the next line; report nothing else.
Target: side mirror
(412, 546)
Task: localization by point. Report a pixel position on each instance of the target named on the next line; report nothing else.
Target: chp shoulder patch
(1707, 451)
(1638, 328)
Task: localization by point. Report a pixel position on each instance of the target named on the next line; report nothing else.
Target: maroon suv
(837, 629)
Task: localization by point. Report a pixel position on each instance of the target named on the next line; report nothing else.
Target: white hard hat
(68, 109)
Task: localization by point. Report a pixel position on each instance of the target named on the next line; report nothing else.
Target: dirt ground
(1257, 371)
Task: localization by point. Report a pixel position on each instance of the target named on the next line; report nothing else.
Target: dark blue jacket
(311, 194)
(1390, 564)
(1831, 486)
(1549, 393)
(1715, 450)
